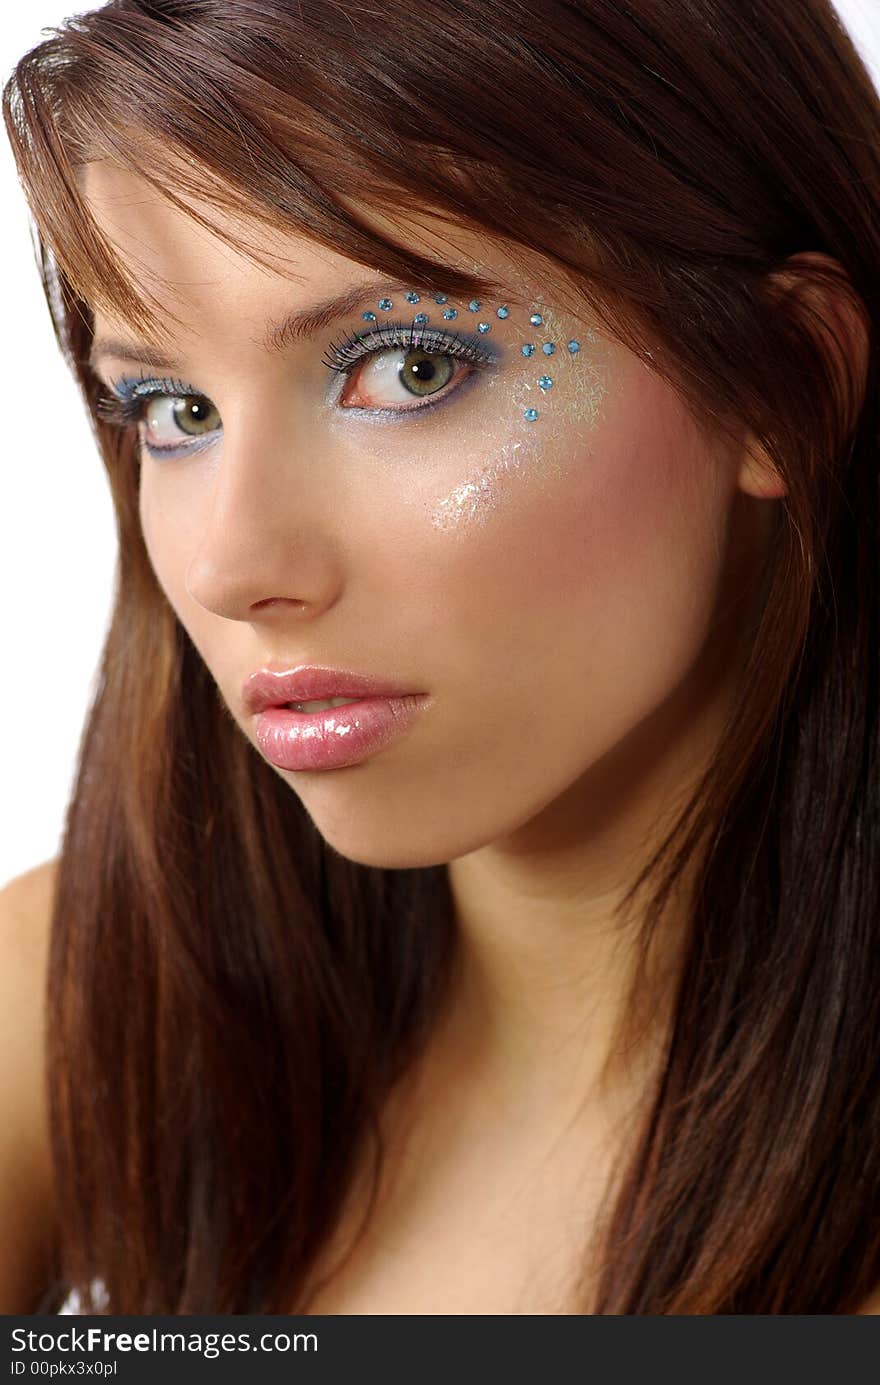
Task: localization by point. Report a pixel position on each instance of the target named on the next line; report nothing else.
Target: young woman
(508, 374)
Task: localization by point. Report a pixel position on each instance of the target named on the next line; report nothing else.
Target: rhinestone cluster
(528, 348)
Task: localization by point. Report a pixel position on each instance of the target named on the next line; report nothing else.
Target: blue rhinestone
(368, 316)
(545, 382)
(412, 297)
(386, 305)
(528, 349)
(441, 297)
(420, 319)
(503, 312)
(450, 313)
(536, 319)
(548, 348)
(483, 327)
(574, 346)
(475, 305)
(530, 414)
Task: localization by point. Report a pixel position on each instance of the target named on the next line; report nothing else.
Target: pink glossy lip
(333, 738)
(337, 737)
(309, 683)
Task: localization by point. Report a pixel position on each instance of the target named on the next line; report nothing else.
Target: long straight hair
(230, 999)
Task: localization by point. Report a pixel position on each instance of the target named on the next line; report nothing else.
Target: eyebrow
(276, 337)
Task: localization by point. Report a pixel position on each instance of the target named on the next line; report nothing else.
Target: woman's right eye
(171, 421)
(170, 417)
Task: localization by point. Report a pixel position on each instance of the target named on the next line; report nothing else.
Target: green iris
(193, 414)
(425, 372)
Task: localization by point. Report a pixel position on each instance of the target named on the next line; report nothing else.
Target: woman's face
(550, 583)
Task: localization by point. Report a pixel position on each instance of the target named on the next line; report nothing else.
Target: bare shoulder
(25, 908)
(26, 1194)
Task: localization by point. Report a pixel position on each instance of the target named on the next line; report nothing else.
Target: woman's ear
(758, 475)
(838, 317)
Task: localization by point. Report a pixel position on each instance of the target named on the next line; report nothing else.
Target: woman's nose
(268, 541)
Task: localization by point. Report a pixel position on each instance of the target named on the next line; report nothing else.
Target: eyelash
(346, 354)
(124, 405)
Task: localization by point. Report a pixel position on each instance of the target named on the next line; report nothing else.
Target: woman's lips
(278, 687)
(338, 736)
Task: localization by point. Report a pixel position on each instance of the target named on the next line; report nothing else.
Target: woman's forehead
(184, 241)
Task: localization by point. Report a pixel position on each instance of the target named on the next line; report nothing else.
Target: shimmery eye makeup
(412, 362)
(416, 336)
(124, 403)
(193, 416)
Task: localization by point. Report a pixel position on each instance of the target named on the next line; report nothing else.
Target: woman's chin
(402, 838)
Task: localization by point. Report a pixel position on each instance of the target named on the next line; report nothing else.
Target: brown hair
(670, 156)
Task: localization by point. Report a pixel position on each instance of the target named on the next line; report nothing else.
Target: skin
(564, 592)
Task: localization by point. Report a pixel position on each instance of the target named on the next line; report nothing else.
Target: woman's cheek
(170, 532)
(598, 552)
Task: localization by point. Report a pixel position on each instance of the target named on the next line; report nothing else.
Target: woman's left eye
(388, 378)
(398, 367)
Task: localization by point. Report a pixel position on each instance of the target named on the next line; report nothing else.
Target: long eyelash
(120, 412)
(124, 404)
(346, 353)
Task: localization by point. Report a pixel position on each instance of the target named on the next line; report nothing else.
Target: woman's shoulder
(25, 913)
(26, 1193)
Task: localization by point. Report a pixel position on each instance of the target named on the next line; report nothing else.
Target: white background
(57, 537)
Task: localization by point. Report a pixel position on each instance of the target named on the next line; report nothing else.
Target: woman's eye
(168, 420)
(399, 376)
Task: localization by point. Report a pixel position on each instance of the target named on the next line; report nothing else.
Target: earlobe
(757, 474)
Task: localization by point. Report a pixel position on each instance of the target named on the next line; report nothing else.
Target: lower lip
(336, 737)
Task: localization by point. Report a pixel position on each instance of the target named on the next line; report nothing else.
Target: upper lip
(309, 683)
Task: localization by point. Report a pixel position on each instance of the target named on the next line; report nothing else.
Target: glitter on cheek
(472, 502)
(517, 452)
(533, 447)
